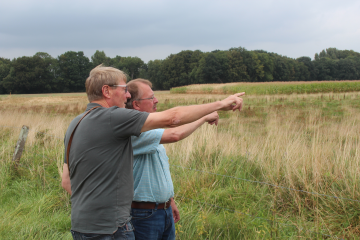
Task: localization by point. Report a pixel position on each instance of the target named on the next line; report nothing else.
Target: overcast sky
(154, 29)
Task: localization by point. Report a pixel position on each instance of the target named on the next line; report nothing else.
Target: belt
(150, 205)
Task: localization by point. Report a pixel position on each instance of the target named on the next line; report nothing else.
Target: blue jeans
(125, 232)
(153, 224)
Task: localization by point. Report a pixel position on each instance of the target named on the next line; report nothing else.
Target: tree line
(42, 73)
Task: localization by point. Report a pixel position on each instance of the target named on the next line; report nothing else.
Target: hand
(233, 102)
(212, 118)
(175, 211)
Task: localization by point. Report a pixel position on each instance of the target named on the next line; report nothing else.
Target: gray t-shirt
(101, 162)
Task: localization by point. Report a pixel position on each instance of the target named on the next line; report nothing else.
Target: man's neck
(102, 102)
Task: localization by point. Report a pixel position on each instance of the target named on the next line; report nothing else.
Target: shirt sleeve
(147, 142)
(127, 122)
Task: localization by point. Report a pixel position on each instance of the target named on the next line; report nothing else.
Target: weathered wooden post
(20, 144)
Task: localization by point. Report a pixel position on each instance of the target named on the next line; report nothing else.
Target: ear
(106, 91)
(135, 105)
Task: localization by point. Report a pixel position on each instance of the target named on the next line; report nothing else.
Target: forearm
(188, 114)
(66, 183)
(172, 135)
(178, 116)
(67, 187)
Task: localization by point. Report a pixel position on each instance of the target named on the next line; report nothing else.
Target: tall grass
(305, 142)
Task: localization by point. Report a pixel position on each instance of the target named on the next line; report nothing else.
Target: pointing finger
(239, 94)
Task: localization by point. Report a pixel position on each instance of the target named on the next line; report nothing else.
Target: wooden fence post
(20, 144)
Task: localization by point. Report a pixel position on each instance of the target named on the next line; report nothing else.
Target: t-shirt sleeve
(127, 122)
(147, 142)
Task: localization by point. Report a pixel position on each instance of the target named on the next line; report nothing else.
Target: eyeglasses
(151, 98)
(125, 86)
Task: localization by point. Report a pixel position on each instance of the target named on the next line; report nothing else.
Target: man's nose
(155, 100)
(128, 95)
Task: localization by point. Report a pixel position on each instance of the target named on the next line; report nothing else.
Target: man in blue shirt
(153, 209)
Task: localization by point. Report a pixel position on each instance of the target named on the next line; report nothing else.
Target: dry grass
(51, 114)
(288, 145)
(287, 139)
(263, 88)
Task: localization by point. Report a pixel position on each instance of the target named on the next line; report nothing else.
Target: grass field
(272, 87)
(307, 142)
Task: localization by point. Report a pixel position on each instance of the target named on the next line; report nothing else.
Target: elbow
(175, 137)
(175, 119)
(168, 119)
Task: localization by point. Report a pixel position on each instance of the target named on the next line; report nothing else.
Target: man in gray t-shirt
(101, 160)
(100, 176)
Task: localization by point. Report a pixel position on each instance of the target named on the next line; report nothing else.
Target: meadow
(285, 167)
(270, 88)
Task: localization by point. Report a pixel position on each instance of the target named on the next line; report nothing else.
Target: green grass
(33, 204)
(178, 90)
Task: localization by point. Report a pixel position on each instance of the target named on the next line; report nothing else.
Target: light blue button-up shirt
(152, 179)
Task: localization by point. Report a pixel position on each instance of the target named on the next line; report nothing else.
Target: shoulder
(75, 121)
(126, 113)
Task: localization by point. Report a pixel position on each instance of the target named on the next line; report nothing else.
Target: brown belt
(150, 205)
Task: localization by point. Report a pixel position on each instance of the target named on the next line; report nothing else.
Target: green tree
(310, 67)
(282, 72)
(52, 64)
(255, 69)
(213, 68)
(115, 61)
(74, 68)
(325, 69)
(301, 72)
(348, 69)
(236, 71)
(316, 57)
(130, 65)
(143, 72)
(268, 61)
(5, 65)
(155, 74)
(177, 69)
(100, 57)
(29, 75)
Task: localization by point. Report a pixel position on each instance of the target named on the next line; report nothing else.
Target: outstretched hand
(233, 102)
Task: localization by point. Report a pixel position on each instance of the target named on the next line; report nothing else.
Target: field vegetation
(271, 88)
(255, 176)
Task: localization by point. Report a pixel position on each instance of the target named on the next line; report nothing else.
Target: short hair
(134, 90)
(99, 77)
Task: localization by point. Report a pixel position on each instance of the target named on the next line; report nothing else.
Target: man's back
(101, 168)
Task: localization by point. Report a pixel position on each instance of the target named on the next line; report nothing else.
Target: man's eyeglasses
(151, 98)
(125, 86)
